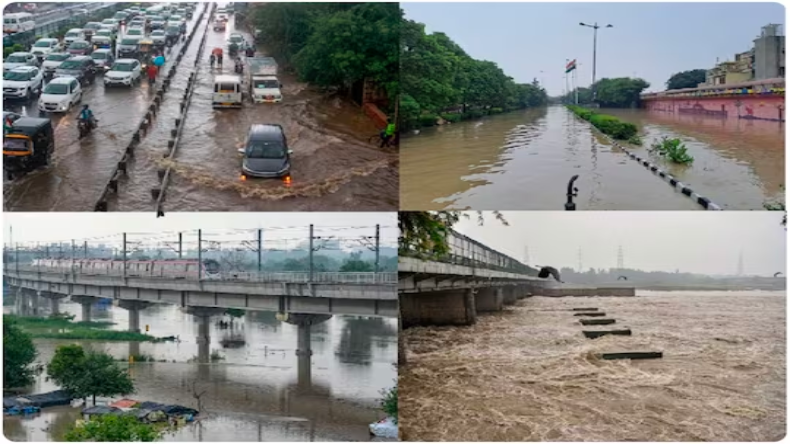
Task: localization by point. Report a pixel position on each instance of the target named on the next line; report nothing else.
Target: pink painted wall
(767, 107)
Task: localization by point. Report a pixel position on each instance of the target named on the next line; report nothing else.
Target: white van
(73, 35)
(227, 92)
(18, 22)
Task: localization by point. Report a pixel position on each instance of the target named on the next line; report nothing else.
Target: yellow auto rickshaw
(27, 145)
(145, 50)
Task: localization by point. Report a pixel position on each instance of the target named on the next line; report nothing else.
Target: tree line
(439, 79)
(621, 92)
(334, 45)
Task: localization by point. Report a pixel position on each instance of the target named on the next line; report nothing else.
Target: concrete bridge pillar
(54, 301)
(304, 352)
(85, 302)
(489, 299)
(450, 307)
(34, 302)
(203, 315)
(401, 344)
(511, 295)
(134, 307)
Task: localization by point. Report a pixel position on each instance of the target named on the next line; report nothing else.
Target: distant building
(769, 53)
(766, 60)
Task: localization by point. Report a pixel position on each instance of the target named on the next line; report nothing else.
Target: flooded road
(523, 161)
(528, 374)
(80, 169)
(334, 167)
(254, 392)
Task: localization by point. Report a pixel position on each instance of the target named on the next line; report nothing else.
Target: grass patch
(89, 334)
(54, 322)
(609, 125)
(673, 149)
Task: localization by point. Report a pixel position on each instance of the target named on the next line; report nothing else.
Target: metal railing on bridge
(468, 252)
(355, 278)
(48, 26)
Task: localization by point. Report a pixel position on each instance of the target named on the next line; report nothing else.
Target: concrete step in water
(584, 309)
(600, 313)
(597, 321)
(631, 355)
(598, 334)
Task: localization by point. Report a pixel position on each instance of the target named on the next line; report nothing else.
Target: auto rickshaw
(233, 49)
(27, 145)
(144, 50)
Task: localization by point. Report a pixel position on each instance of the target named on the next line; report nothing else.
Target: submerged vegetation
(672, 149)
(390, 403)
(609, 125)
(63, 327)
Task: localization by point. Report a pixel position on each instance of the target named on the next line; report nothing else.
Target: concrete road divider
(598, 334)
(600, 313)
(632, 355)
(597, 321)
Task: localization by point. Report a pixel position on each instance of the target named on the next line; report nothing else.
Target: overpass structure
(473, 278)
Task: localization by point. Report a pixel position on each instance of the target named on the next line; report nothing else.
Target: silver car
(266, 152)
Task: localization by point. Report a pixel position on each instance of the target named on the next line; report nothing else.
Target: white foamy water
(528, 373)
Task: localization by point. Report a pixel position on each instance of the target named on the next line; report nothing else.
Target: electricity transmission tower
(740, 263)
(620, 260)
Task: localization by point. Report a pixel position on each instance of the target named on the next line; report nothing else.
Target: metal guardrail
(471, 253)
(369, 278)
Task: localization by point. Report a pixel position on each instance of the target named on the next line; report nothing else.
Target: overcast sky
(40, 227)
(649, 40)
(697, 242)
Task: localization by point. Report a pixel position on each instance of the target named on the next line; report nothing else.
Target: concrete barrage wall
(758, 107)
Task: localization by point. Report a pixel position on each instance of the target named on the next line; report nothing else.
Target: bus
(18, 22)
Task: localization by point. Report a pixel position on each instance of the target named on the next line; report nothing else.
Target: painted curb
(668, 178)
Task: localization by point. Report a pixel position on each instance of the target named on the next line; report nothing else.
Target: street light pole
(595, 53)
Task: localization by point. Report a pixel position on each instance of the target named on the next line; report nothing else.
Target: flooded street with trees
(523, 160)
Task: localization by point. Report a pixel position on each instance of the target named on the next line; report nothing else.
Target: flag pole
(566, 80)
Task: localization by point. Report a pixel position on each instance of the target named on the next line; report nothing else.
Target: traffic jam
(52, 78)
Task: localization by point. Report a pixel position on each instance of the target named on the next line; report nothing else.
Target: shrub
(673, 149)
(452, 117)
(496, 110)
(635, 140)
(390, 403)
(428, 119)
(607, 124)
(473, 114)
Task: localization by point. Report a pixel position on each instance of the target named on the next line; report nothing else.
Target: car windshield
(173, 29)
(16, 59)
(73, 34)
(57, 57)
(135, 31)
(43, 44)
(265, 149)
(70, 64)
(266, 84)
(99, 55)
(79, 45)
(129, 42)
(236, 38)
(104, 33)
(120, 15)
(157, 33)
(93, 26)
(56, 88)
(17, 75)
(124, 67)
(109, 21)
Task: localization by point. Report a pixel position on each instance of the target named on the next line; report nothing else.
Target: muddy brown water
(528, 374)
(254, 393)
(524, 160)
(334, 166)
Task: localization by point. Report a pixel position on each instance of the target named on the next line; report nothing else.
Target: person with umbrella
(159, 61)
(218, 54)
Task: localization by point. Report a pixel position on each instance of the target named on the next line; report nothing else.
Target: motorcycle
(85, 127)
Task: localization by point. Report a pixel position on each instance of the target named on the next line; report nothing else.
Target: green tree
(89, 373)
(621, 92)
(114, 428)
(18, 353)
(686, 79)
(356, 264)
(235, 312)
(424, 233)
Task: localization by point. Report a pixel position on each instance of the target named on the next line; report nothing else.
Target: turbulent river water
(528, 374)
(523, 161)
(253, 393)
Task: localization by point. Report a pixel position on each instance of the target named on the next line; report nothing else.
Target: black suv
(266, 152)
(81, 67)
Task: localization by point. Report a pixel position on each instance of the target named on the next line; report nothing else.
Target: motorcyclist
(86, 115)
(212, 58)
(239, 66)
(387, 134)
(250, 51)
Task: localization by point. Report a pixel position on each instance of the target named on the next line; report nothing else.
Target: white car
(103, 59)
(135, 32)
(73, 35)
(45, 46)
(53, 60)
(112, 22)
(158, 37)
(103, 38)
(60, 95)
(22, 82)
(17, 59)
(123, 72)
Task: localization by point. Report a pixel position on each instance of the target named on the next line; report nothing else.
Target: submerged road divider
(597, 321)
(599, 313)
(632, 355)
(668, 178)
(158, 193)
(598, 333)
(111, 188)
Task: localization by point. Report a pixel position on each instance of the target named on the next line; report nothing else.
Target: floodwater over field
(528, 374)
(524, 160)
(255, 392)
(333, 165)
